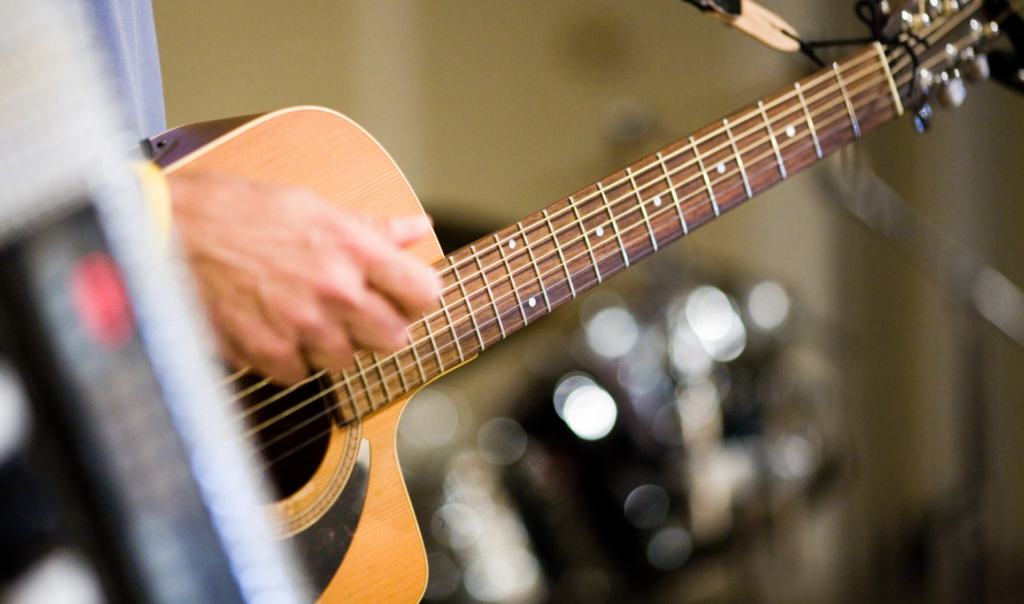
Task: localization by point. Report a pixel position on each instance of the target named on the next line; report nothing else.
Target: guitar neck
(504, 282)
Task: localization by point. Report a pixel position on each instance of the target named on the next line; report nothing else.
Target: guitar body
(325, 152)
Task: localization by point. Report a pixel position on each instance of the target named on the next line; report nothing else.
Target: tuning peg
(914, 22)
(952, 91)
(923, 118)
(976, 69)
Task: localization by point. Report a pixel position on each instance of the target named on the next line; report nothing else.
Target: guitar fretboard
(504, 282)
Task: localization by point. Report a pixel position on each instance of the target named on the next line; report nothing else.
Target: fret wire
(469, 304)
(739, 160)
(338, 407)
(538, 278)
(536, 268)
(433, 342)
(615, 225)
(776, 101)
(586, 239)
(490, 294)
(351, 396)
(512, 279)
(401, 373)
(856, 60)
(764, 156)
(707, 179)
(643, 210)
(664, 168)
(366, 384)
(744, 135)
(672, 191)
(383, 380)
(810, 122)
(898, 102)
(451, 327)
(852, 61)
(503, 255)
(757, 160)
(775, 143)
(846, 97)
(558, 248)
(419, 362)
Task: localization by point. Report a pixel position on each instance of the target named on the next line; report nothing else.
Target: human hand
(291, 283)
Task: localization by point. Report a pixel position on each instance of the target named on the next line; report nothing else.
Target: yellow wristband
(157, 193)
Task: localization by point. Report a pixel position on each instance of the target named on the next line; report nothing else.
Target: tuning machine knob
(923, 118)
(914, 22)
(975, 67)
(952, 91)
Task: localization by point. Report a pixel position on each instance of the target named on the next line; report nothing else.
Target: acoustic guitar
(328, 443)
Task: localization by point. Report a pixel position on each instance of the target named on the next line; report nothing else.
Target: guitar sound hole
(298, 421)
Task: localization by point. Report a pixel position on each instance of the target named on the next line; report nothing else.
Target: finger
(412, 287)
(319, 337)
(377, 325)
(269, 353)
(328, 348)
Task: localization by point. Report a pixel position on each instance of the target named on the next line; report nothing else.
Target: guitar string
(956, 19)
(263, 446)
(539, 280)
(719, 131)
(755, 163)
(613, 202)
(640, 226)
(552, 235)
(825, 76)
(952, 21)
(759, 169)
(469, 297)
(450, 269)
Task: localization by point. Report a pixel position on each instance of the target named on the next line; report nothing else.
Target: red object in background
(101, 300)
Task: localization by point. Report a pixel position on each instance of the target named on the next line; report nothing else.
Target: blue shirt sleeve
(127, 33)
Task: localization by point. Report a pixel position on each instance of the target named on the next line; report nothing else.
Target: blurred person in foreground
(289, 282)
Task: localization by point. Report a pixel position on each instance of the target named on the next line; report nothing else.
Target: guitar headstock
(937, 45)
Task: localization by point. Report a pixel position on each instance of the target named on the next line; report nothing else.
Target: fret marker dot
(790, 131)
(512, 244)
(599, 232)
(532, 302)
(657, 201)
(721, 168)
